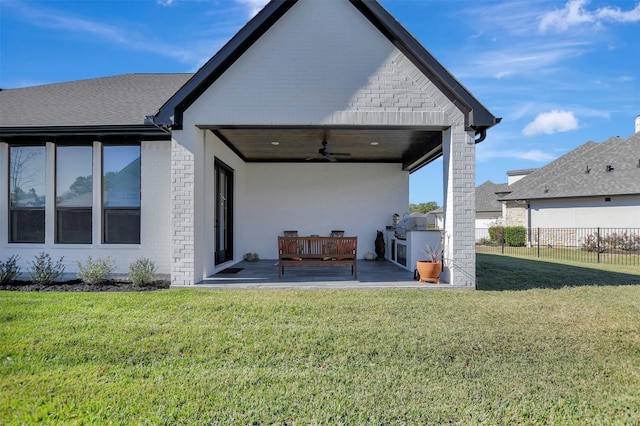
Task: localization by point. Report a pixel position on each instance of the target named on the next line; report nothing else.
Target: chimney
(637, 123)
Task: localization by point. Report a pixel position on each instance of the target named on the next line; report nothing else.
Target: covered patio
(293, 127)
(263, 274)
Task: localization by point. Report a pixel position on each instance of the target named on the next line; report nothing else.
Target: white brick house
(236, 145)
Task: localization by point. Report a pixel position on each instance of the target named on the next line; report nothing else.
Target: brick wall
(182, 215)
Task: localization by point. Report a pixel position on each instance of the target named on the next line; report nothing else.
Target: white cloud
(615, 14)
(523, 59)
(254, 6)
(551, 122)
(536, 155)
(132, 39)
(575, 13)
(165, 2)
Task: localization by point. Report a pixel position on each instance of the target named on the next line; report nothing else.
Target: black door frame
(224, 187)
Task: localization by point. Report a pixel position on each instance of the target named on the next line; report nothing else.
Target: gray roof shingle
(568, 177)
(486, 198)
(118, 100)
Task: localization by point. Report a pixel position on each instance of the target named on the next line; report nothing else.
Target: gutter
(47, 133)
(483, 131)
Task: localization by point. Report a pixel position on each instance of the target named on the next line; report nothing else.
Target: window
(121, 194)
(26, 194)
(74, 194)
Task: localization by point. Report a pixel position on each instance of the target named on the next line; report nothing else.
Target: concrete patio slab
(263, 274)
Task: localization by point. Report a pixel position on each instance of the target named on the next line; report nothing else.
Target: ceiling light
(375, 143)
(275, 143)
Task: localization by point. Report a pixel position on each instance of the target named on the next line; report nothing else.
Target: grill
(401, 233)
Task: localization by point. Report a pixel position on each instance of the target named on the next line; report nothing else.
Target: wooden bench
(317, 251)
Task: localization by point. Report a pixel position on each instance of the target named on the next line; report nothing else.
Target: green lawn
(629, 258)
(538, 355)
(503, 272)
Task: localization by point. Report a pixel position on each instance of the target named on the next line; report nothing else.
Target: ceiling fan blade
(324, 152)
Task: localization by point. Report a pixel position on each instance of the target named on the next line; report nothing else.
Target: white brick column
(459, 205)
(182, 215)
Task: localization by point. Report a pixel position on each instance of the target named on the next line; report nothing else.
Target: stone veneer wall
(515, 214)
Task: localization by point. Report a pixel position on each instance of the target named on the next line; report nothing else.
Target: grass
(505, 272)
(629, 258)
(546, 355)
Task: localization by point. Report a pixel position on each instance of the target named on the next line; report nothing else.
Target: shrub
(624, 241)
(614, 241)
(515, 236)
(9, 270)
(496, 233)
(95, 271)
(484, 241)
(593, 243)
(142, 271)
(44, 271)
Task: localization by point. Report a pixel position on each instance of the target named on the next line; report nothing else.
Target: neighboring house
(435, 219)
(231, 156)
(488, 210)
(488, 205)
(595, 185)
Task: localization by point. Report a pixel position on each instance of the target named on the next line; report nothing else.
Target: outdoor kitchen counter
(406, 252)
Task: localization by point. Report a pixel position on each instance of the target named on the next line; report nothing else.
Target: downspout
(483, 135)
(483, 131)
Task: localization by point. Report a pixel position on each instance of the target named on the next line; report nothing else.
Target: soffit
(412, 147)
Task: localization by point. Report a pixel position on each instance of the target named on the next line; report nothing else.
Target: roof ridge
(123, 99)
(586, 171)
(542, 172)
(106, 77)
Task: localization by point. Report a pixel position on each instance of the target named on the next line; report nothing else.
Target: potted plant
(429, 270)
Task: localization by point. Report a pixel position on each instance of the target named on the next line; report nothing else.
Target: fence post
(503, 240)
(538, 237)
(598, 242)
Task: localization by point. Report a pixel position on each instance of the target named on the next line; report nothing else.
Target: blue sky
(559, 73)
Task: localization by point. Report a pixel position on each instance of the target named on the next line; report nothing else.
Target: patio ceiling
(413, 147)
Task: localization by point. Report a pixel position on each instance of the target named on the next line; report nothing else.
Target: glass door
(224, 212)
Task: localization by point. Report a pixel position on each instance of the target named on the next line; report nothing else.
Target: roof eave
(560, 197)
(477, 117)
(170, 114)
(16, 134)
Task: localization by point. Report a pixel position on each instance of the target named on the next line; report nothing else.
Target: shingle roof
(486, 198)
(117, 100)
(520, 172)
(583, 172)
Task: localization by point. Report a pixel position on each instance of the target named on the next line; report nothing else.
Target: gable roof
(593, 169)
(477, 117)
(86, 105)
(486, 198)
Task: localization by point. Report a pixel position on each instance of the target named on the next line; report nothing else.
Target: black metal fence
(620, 246)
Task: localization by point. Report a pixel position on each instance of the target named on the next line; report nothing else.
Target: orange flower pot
(429, 271)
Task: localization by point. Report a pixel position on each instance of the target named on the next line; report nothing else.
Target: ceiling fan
(325, 153)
